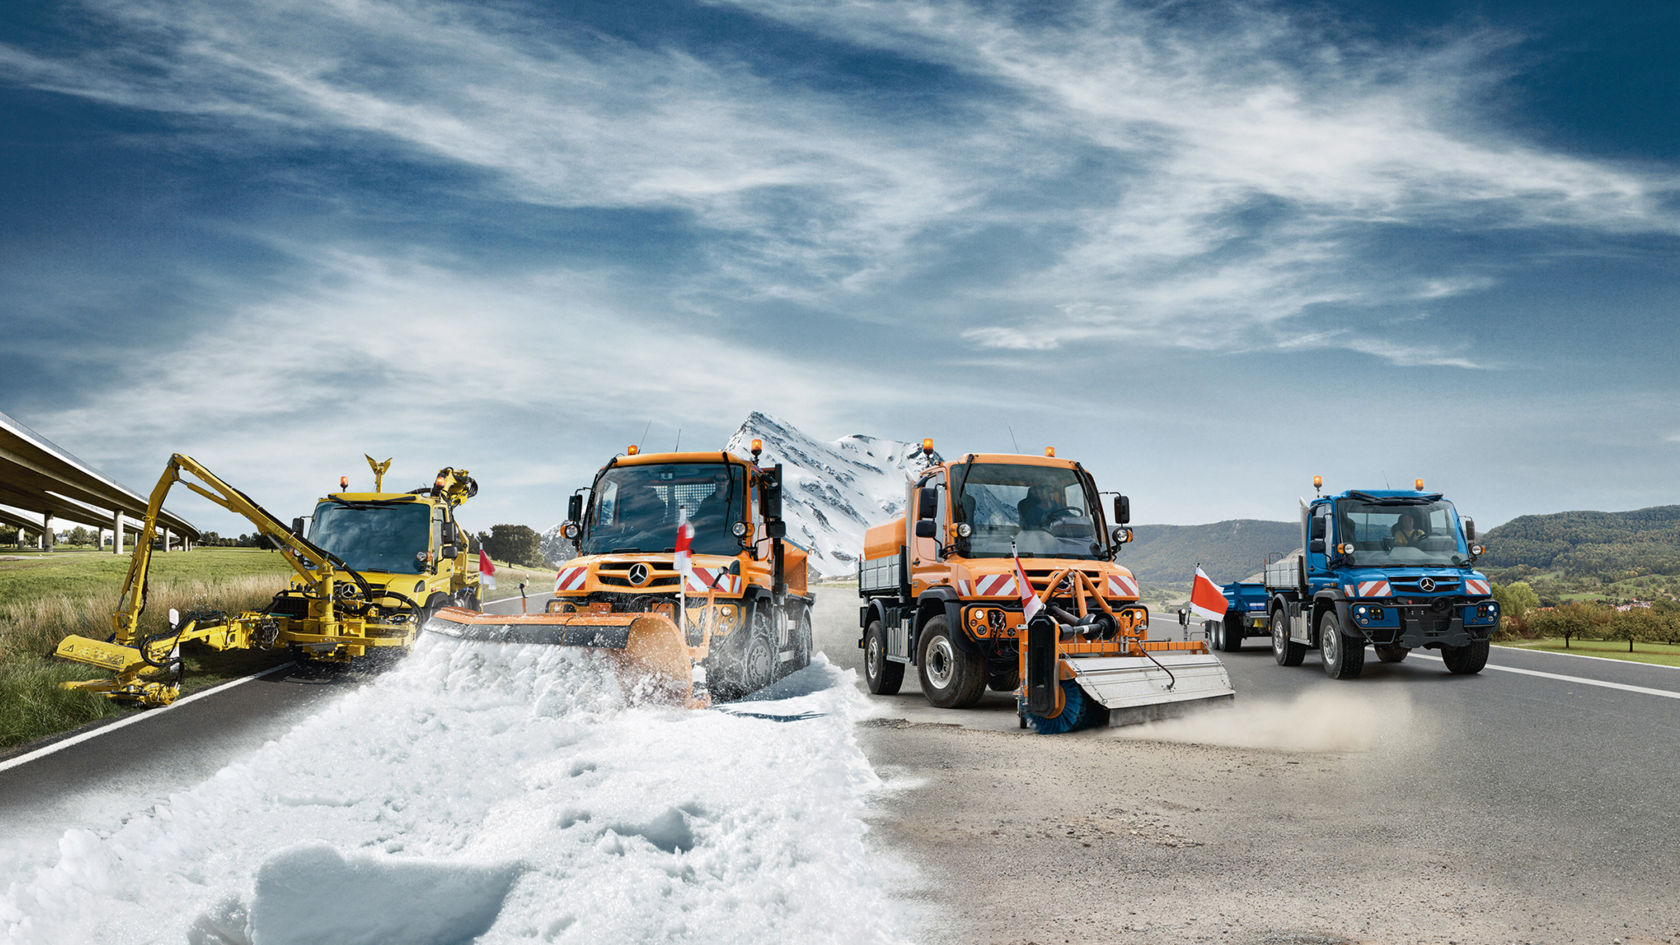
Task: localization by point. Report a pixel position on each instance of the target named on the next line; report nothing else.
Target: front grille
(1039, 578)
(661, 575)
(1411, 585)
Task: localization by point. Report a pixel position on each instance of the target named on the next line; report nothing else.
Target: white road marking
(1624, 687)
(137, 717)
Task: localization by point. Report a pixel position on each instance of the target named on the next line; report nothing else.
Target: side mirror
(927, 528)
(927, 505)
(297, 526)
(1122, 510)
(770, 494)
(448, 533)
(574, 508)
(1315, 531)
(1469, 529)
(1316, 546)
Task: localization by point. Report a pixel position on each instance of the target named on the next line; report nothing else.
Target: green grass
(94, 574)
(1662, 654)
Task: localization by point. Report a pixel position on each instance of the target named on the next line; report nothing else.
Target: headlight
(739, 528)
(964, 530)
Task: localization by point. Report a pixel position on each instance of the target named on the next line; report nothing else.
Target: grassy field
(1662, 654)
(44, 598)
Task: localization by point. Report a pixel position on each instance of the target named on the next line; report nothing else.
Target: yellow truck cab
(747, 593)
(407, 547)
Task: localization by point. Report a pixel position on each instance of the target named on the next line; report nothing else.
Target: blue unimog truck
(1388, 568)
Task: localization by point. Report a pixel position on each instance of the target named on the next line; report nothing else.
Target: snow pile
(492, 794)
(832, 491)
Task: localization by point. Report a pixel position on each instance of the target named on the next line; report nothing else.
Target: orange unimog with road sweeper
(942, 592)
(720, 611)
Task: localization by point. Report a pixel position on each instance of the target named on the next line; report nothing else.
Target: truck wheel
(952, 678)
(1465, 660)
(1216, 633)
(1392, 653)
(1230, 635)
(1343, 658)
(883, 675)
(1005, 682)
(801, 640)
(1286, 651)
(468, 599)
(758, 661)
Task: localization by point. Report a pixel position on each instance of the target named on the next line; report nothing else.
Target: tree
(10, 535)
(513, 544)
(1570, 620)
(79, 536)
(1515, 599)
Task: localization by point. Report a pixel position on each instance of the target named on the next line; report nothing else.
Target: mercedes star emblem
(1426, 585)
(638, 574)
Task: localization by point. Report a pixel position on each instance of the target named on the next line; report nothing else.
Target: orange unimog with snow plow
(942, 591)
(735, 618)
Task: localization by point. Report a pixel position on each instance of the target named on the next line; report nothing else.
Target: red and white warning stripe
(1120, 585)
(994, 585)
(1473, 586)
(964, 587)
(1374, 589)
(570, 579)
(700, 581)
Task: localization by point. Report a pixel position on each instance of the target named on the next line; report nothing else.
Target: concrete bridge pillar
(46, 531)
(118, 523)
(166, 539)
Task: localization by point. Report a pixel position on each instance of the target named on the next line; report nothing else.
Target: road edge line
(1600, 683)
(64, 743)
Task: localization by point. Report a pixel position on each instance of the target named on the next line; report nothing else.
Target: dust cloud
(1319, 721)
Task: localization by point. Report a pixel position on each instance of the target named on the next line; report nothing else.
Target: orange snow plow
(648, 647)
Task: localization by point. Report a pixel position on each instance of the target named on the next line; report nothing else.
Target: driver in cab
(1406, 531)
(1040, 507)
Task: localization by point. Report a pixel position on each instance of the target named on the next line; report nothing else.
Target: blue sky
(1210, 249)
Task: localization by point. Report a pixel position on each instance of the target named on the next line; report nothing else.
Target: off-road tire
(801, 639)
(1286, 651)
(1343, 658)
(758, 655)
(883, 676)
(952, 677)
(468, 599)
(1005, 682)
(1216, 634)
(1465, 660)
(1392, 652)
(1230, 636)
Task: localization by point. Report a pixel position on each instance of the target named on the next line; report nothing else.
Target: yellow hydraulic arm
(138, 660)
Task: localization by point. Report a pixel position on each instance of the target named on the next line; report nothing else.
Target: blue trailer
(1390, 569)
(1246, 615)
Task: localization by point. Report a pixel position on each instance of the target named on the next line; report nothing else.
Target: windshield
(1400, 535)
(636, 508)
(375, 536)
(1044, 510)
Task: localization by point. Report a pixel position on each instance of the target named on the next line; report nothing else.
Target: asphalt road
(1534, 801)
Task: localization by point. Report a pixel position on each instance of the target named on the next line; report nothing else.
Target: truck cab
(748, 591)
(1392, 569)
(406, 546)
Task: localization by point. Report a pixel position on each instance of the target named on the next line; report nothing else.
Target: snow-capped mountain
(831, 491)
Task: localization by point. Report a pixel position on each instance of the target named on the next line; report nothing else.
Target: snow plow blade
(645, 645)
(1140, 689)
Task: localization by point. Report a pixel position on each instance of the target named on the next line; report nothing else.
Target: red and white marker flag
(1207, 601)
(486, 570)
(1030, 604)
(685, 539)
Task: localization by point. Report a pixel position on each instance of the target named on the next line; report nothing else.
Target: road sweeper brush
(684, 570)
(945, 590)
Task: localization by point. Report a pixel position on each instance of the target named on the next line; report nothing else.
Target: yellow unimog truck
(942, 591)
(374, 567)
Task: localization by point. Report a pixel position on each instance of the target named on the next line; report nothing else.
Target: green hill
(1609, 546)
(1228, 551)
